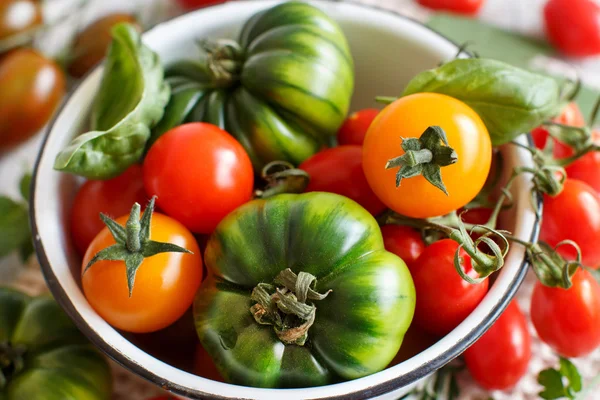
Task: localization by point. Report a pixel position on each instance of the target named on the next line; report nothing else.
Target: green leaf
(130, 101)
(509, 100)
(553, 385)
(553, 381)
(569, 371)
(14, 225)
(24, 186)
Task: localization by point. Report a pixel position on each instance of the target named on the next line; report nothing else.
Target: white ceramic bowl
(388, 50)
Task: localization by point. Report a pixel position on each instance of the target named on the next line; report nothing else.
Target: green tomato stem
(284, 305)
(11, 361)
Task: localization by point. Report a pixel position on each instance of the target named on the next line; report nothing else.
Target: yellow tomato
(409, 117)
(165, 284)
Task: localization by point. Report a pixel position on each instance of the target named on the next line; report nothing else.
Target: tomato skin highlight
(165, 284)
(113, 197)
(500, 358)
(200, 174)
(355, 127)
(568, 320)
(575, 215)
(467, 7)
(339, 170)
(17, 16)
(32, 87)
(403, 241)
(573, 26)
(441, 292)
(409, 117)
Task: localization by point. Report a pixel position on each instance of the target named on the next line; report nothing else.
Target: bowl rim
(379, 389)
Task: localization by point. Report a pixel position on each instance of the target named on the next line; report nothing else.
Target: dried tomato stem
(284, 305)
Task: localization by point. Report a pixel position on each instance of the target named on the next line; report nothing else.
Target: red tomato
(574, 214)
(444, 299)
(355, 127)
(568, 320)
(572, 116)
(200, 174)
(573, 26)
(193, 4)
(587, 168)
(499, 359)
(31, 88)
(113, 197)
(403, 241)
(468, 7)
(339, 170)
(415, 341)
(476, 216)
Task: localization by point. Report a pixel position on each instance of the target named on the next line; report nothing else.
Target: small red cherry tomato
(444, 299)
(193, 4)
(573, 26)
(200, 174)
(587, 168)
(204, 365)
(499, 359)
(355, 127)
(467, 7)
(403, 241)
(574, 214)
(113, 197)
(568, 320)
(572, 116)
(339, 170)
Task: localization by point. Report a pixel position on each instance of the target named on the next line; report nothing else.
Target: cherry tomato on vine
(499, 359)
(587, 168)
(575, 215)
(113, 197)
(31, 88)
(568, 320)
(339, 170)
(403, 241)
(92, 42)
(573, 26)
(17, 16)
(355, 127)
(467, 7)
(444, 299)
(200, 174)
(405, 118)
(572, 116)
(164, 287)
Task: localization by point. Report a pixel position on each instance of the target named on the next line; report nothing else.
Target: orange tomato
(165, 284)
(409, 117)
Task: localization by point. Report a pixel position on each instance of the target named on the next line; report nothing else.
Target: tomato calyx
(133, 242)
(11, 361)
(551, 268)
(285, 307)
(224, 61)
(424, 156)
(282, 177)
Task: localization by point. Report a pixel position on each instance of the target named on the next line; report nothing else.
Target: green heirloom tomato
(302, 293)
(282, 89)
(42, 354)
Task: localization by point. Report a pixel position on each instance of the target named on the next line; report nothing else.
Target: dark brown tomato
(31, 87)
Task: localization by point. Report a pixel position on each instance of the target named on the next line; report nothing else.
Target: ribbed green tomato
(282, 89)
(44, 356)
(358, 328)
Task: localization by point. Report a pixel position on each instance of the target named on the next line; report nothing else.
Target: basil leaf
(131, 100)
(14, 226)
(509, 100)
(24, 186)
